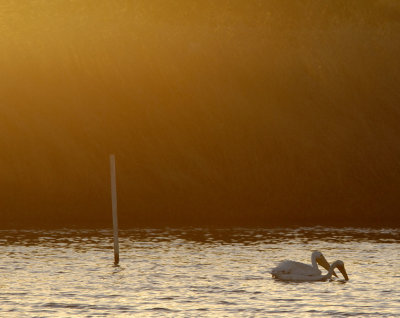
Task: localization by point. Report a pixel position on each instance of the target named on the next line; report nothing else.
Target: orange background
(219, 112)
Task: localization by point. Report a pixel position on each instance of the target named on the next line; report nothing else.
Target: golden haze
(219, 112)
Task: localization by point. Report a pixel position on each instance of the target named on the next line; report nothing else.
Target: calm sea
(195, 273)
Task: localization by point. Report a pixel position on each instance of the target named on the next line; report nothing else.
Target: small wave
(74, 306)
(225, 302)
(162, 309)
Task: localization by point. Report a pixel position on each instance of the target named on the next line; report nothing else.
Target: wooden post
(114, 208)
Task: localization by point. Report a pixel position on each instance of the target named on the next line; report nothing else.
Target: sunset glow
(227, 112)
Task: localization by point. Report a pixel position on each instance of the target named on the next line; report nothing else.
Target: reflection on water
(195, 272)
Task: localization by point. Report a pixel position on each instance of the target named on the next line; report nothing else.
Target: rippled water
(195, 272)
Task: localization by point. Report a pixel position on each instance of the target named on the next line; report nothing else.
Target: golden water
(195, 273)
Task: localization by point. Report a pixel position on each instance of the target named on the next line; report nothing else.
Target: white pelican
(297, 268)
(314, 278)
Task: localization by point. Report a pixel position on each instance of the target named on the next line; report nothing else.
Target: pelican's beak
(324, 263)
(343, 271)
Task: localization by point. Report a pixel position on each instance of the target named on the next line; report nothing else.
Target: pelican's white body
(297, 268)
(298, 277)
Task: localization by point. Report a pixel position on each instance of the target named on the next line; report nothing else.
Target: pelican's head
(340, 266)
(321, 260)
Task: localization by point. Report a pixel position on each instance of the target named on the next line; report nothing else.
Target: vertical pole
(114, 208)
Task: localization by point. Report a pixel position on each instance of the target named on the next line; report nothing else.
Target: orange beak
(343, 271)
(324, 263)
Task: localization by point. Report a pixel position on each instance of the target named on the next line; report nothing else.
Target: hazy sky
(227, 112)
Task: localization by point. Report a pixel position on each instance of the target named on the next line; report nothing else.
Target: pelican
(297, 268)
(314, 278)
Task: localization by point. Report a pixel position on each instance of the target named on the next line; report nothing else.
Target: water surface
(195, 272)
